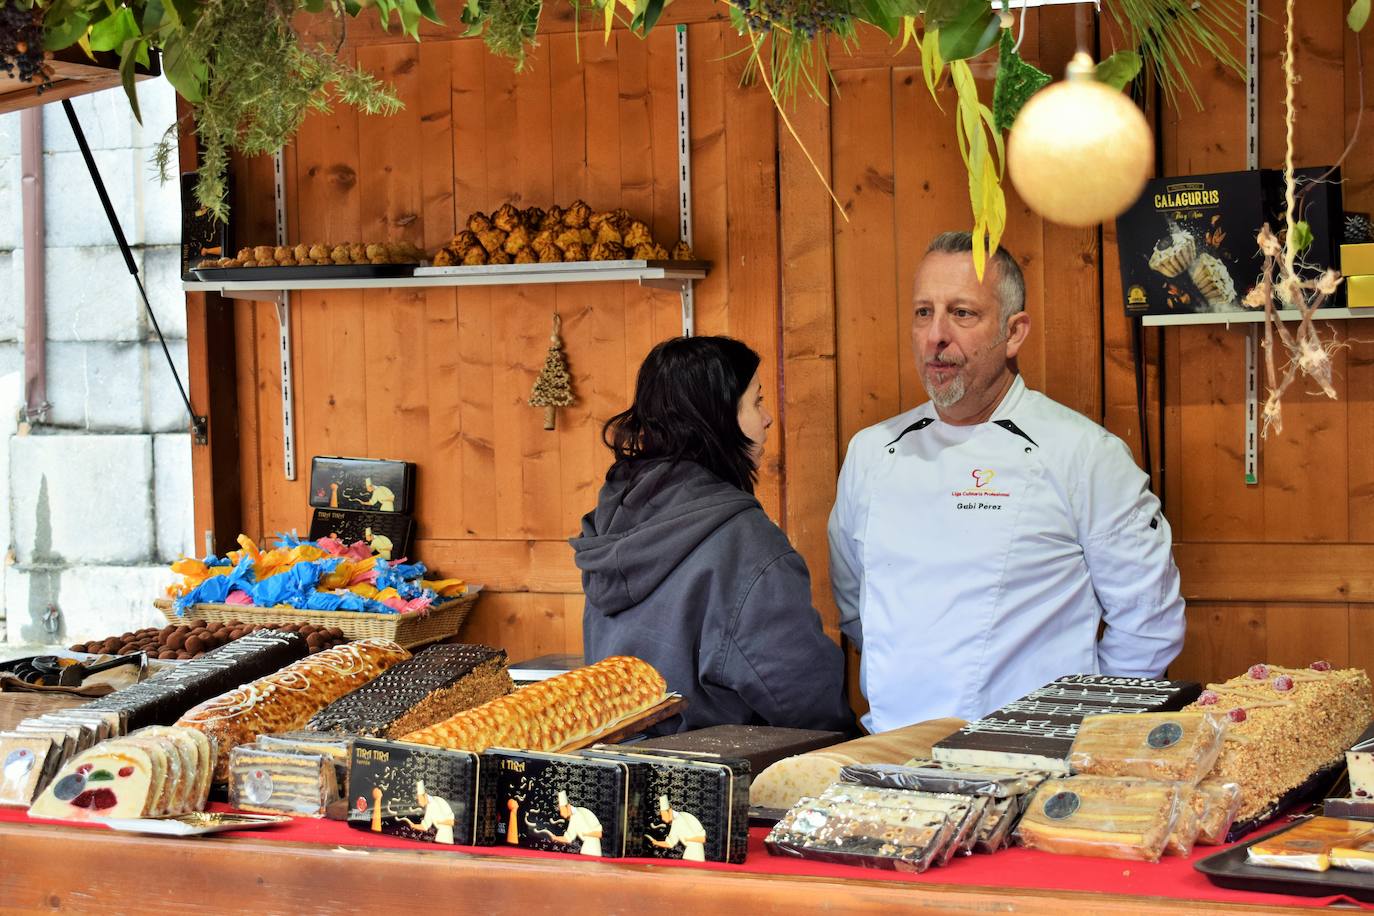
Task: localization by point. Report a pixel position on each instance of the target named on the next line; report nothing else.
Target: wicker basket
(416, 628)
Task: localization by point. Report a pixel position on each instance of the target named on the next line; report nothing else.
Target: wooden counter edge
(44, 868)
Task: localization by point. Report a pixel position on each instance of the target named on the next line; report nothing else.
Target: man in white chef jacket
(978, 541)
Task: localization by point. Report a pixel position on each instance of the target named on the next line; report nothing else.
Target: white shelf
(1251, 316)
(672, 275)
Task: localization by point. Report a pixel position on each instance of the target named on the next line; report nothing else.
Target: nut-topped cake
(1285, 725)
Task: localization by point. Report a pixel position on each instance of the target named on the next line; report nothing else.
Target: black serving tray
(1231, 868)
(304, 272)
(1320, 785)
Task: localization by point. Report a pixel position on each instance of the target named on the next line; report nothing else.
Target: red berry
(1321, 666)
(1237, 715)
(1283, 683)
(1208, 698)
(84, 769)
(126, 771)
(1259, 672)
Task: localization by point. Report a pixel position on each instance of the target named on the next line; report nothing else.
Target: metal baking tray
(304, 272)
(1231, 868)
(591, 267)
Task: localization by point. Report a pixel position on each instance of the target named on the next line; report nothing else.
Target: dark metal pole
(198, 423)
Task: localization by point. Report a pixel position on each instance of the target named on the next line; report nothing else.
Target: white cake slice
(1360, 761)
(114, 779)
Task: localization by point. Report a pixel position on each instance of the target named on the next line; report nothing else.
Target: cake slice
(436, 684)
(114, 779)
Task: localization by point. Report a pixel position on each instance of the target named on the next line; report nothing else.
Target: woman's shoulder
(757, 539)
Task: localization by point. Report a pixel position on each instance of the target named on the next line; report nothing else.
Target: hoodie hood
(648, 519)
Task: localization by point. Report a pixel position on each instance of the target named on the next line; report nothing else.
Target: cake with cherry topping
(1285, 724)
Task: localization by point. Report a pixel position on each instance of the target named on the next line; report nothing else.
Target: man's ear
(1018, 327)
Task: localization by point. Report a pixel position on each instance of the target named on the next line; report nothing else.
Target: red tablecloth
(1011, 868)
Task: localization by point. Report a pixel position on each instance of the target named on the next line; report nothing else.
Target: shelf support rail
(283, 309)
(684, 177)
(1251, 162)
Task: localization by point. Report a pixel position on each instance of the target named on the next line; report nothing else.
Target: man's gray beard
(954, 392)
(950, 395)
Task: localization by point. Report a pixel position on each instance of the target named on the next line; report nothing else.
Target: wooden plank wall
(440, 377)
(1277, 571)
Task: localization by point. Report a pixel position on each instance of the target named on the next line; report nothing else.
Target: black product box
(1188, 245)
(561, 803)
(202, 236)
(697, 806)
(389, 534)
(761, 745)
(362, 484)
(414, 791)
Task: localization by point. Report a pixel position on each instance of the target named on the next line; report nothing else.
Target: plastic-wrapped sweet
(1217, 802)
(1179, 746)
(865, 835)
(1120, 818)
(1354, 857)
(994, 830)
(1186, 826)
(1023, 780)
(1309, 845)
(275, 781)
(932, 779)
(963, 811)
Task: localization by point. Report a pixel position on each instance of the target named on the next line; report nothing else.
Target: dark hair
(686, 406)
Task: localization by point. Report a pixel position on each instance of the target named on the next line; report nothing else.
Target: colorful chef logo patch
(982, 489)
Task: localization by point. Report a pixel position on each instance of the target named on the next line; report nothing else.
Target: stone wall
(95, 499)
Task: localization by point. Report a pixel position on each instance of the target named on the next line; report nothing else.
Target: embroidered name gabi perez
(977, 505)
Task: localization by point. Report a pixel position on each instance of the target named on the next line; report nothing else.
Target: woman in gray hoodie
(682, 568)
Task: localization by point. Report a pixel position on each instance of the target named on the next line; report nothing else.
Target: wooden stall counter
(324, 867)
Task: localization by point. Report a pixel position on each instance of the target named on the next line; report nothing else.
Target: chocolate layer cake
(162, 700)
(437, 683)
(1038, 730)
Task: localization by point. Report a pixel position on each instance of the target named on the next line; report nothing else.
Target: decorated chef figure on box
(582, 825)
(980, 540)
(380, 543)
(381, 497)
(683, 829)
(438, 815)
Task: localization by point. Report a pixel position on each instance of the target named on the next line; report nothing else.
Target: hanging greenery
(248, 75)
(251, 78)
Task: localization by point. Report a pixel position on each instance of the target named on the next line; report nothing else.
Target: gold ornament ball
(1079, 152)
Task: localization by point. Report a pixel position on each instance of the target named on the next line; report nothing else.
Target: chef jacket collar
(999, 417)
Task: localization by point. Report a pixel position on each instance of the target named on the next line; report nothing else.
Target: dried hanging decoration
(553, 387)
(1282, 284)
